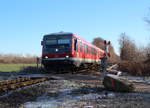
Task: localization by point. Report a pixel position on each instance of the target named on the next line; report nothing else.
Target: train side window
(92, 51)
(80, 46)
(85, 48)
(95, 52)
(88, 50)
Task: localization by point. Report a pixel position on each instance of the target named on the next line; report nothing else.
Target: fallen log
(115, 83)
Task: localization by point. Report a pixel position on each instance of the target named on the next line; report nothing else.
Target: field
(13, 67)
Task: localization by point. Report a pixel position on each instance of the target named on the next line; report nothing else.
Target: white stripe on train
(74, 59)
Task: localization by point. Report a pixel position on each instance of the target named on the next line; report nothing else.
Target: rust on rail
(19, 82)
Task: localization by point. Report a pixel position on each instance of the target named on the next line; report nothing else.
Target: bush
(135, 68)
(135, 61)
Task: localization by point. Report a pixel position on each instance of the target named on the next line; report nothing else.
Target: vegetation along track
(8, 85)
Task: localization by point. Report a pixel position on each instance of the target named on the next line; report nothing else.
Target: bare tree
(141, 54)
(99, 42)
(147, 49)
(147, 53)
(128, 50)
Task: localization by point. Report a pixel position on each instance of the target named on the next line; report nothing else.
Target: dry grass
(135, 68)
(15, 59)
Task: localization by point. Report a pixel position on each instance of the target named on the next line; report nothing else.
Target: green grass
(13, 67)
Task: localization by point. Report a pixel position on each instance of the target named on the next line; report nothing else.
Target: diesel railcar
(68, 51)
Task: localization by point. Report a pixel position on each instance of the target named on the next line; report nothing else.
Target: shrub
(135, 68)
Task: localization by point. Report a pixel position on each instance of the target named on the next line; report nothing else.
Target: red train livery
(67, 50)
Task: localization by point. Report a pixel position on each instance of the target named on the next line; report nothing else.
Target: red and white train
(68, 51)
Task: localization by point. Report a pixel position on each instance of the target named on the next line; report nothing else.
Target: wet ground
(80, 95)
(76, 91)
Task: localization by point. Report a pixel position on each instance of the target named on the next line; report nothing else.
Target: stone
(115, 83)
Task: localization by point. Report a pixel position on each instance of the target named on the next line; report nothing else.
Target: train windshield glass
(57, 42)
(51, 42)
(63, 41)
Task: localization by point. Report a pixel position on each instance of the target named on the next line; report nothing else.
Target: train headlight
(56, 50)
(67, 56)
(46, 57)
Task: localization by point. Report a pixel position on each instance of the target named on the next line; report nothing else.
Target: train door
(76, 52)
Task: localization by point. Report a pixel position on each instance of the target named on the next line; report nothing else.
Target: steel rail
(19, 82)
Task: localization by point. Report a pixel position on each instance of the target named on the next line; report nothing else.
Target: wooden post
(37, 62)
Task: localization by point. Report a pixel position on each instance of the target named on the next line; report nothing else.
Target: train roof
(59, 33)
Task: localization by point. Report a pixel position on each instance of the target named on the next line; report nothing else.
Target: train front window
(58, 43)
(63, 41)
(51, 42)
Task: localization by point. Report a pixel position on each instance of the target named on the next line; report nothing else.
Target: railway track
(74, 70)
(8, 85)
(88, 70)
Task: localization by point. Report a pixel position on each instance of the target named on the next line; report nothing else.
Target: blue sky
(24, 22)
